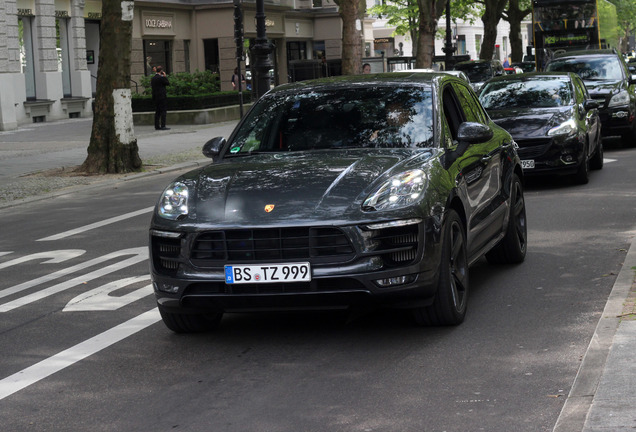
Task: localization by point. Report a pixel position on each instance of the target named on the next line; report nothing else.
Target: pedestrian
(235, 80)
(366, 68)
(159, 97)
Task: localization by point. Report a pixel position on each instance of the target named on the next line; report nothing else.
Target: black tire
(582, 175)
(597, 160)
(512, 248)
(190, 323)
(451, 298)
(629, 138)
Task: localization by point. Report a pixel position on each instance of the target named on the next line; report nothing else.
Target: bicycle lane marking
(68, 357)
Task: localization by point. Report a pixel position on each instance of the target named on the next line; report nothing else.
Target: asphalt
(35, 161)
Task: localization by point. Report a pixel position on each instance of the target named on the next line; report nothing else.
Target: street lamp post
(448, 49)
(261, 50)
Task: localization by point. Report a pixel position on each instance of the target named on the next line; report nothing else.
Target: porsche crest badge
(269, 207)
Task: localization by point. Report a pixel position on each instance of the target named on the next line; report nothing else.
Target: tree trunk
(490, 18)
(351, 12)
(429, 14)
(515, 16)
(113, 147)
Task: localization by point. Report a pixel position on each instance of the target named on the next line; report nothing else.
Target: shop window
(63, 54)
(211, 54)
(319, 50)
(296, 51)
(157, 53)
(27, 60)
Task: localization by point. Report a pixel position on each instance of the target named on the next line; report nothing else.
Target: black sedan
(374, 189)
(552, 119)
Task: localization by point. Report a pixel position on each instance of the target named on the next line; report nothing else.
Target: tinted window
(538, 92)
(470, 104)
(590, 68)
(477, 72)
(344, 118)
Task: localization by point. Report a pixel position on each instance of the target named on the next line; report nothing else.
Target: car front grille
(397, 245)
(271, 244)
(166, 254)
(530, 149)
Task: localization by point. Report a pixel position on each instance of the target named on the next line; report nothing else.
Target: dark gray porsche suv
(378, 189)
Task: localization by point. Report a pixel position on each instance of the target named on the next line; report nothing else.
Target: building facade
(49, 49)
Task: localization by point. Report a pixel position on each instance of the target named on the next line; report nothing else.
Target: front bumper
(556, 155)
(616, 121)
(408, 257)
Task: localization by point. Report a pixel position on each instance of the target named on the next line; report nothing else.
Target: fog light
(164, 287)
(394, 281)
(568, 159)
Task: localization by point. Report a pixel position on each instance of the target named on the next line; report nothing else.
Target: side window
(452, 112)
(580, 91)
(471, 106)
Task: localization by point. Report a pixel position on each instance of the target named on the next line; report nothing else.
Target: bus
(560, 25)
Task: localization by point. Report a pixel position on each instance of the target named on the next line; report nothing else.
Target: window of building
(477, 44)
(63, 54)
(211, 54)
(157, 53)
(296, 50)
(186, 55)
(27, 61)
(319, 50)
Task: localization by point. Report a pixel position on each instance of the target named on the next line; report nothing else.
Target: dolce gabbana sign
(157, 24)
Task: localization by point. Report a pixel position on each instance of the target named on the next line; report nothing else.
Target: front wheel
(190, 323)
(451, 298)
(512, 248)
(582, 175)
(597, 159)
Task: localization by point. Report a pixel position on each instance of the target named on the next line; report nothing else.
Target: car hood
(301, 186)
(524, 123)
(602, 87)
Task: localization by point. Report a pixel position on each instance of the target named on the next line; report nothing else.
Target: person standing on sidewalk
(159, 97)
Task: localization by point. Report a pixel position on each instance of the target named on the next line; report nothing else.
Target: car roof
(474, 62)
(531, 75)
(415, 79)
(586, 53)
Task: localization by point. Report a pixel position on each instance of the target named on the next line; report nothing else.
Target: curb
(579, 401)
(97, 184)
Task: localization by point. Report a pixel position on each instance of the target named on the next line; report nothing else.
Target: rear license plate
(267, 273)
(527, 164)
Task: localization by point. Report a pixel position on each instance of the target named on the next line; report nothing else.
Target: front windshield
(531, 93)
(477, 72)
(590, 69)
(366, 117)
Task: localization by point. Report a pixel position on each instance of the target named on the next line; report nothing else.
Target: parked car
(456, 73)
(368, 189)
(513, 70)
(480, 71)
(553, 120)
(526, 66)
(610, 83)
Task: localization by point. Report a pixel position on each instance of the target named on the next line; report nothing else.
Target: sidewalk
(30, 152)
(603, 396)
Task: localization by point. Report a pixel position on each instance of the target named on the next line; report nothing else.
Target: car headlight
(399, 191)
(620, 98)
(566, 128)
(174, 201)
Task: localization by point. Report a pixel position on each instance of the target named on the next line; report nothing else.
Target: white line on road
(51, 365)
(96, 225)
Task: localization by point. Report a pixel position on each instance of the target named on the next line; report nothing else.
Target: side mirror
(212, 148)
(472, 133)
(590, 104)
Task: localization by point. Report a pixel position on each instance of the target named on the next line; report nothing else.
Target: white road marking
(96, 225)
(139, 254)
(57, 256)
(6, 253)
(605, 160)
(66, 358)
(99, 299)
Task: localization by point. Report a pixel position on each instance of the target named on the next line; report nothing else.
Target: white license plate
(527, 164)
(267, 273)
